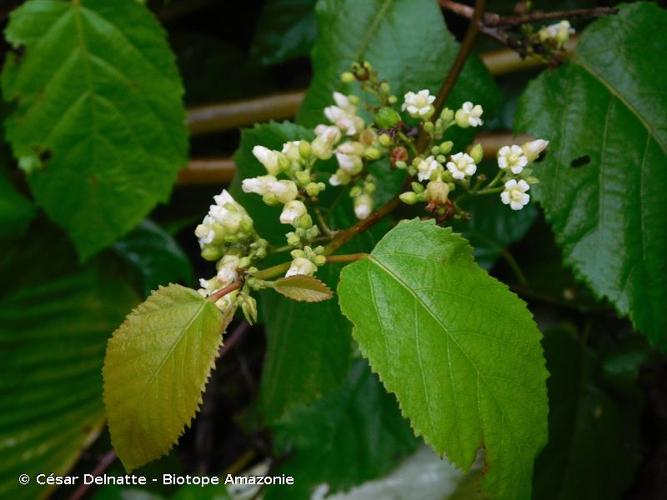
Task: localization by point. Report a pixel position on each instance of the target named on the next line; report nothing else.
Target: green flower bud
(387, 117)
(270, 199)
(355, 191)
(385, 88)
(305, 150)
(417, 187)
(372, 153)
(477, 153)
(347, 77)
(392, 99)
(409, 198)
(428, 127)
(385, 140)
(447, 115)
(320, 260)
(401, 164)
(211, 253)
(446, 147)
(249, 308)
(293, 239)
(305, 221)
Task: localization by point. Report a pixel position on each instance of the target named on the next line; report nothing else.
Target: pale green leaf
(459, 350)
(55, 319)
(156, 366)
(303, 289)
(406, 41)
(97, 111)
(604, 181)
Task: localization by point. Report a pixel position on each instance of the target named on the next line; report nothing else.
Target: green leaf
(98, 112)
(405, 40)
(156, 366)
(271, 135)
(493, 227)
(303, 289)
(594, 442)
(354, 433)
(285, 30)
(55, 318)
(155, 255)
(308, 351)
(461, 352)
(603, 183)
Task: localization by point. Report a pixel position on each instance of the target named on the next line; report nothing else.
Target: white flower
(228, 270)
(437, 191)
(301, 265)
(327, 137)
(284, 191)
(205, 232)
(343, 102)
(224, 197)
(515, 194)
(427, 168)
(419, 105)
(560, 32)
(512, 157)
(363, 206)
(469, 115)
(348, 155)
(341, 177)
(292, 211)
(344, 115)
(270, 159)
(533, 149)
(227, 212)
(291, 150)
(258, 185)
(461, 165)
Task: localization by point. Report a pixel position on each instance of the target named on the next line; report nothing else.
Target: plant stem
(214, 297)
(514, 266)
(350, 257)
(456, 68)
(104, 463)
(273, 271)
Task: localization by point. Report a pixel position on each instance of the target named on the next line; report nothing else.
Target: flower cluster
(558, 33)
(227, 235)
(516, 177)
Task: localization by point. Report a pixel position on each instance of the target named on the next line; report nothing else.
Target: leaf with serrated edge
(606, 109)
(303, 289)
(156, 366)
(98, 101)
(460, 351)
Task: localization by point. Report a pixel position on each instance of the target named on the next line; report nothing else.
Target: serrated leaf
(594, 443)
(156, 366)
(55, 319)
(303, 289)
(603, 183)
(392, 36)
(459, 350)
(155, 255)
(98, 104)
(352, 434)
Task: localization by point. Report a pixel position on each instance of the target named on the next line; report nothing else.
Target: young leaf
(98, 116)
(401, 40)
(55, 319)
(353, 433)
(303, 289)
(603, 183)
(156, 366)
(461, 352)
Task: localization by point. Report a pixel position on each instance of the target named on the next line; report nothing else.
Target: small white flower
(344, 115)
(258, 185)
(292, 211)
(363, 206)
(513, 158)
(533, 149)
(284, 191)
(228, 270)
(515, 194)
(223, 198)
(291, 150)
(340, 178)
(420, 104)
(228, 218)
(270, 159)
(469, 115)
(426, 168)
(343, 102)
(348, 155)
(327, 137)
(437, 191)
(301, 266)
(461, 165)
(560, 32)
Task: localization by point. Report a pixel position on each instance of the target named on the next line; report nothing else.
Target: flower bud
(284, 191)
(292, 211)
(372, 154)
(409, 198)
(477, 153)
(347, 77)
(428, 127)
(305, 149)
(533, 149)
(447, 115)
(363, 206)
(268, 158)
(301, 266)
(249, 308)
(437, 191)
(446, 147)
(211, 253)
(387, 117)
(385, 140)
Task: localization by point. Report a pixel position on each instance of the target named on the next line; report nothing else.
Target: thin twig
(350, 257)
(104, 463)
(214, 297)
(234, 338)
(456, 68)
(539, 15)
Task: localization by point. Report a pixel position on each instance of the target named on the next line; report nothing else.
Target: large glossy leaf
(603, 184)
(156, 366)
(459, 350)
(405, 40)
(155, 255)
(55, 319)
(354, 433)
(98, 117)
(594, 446)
